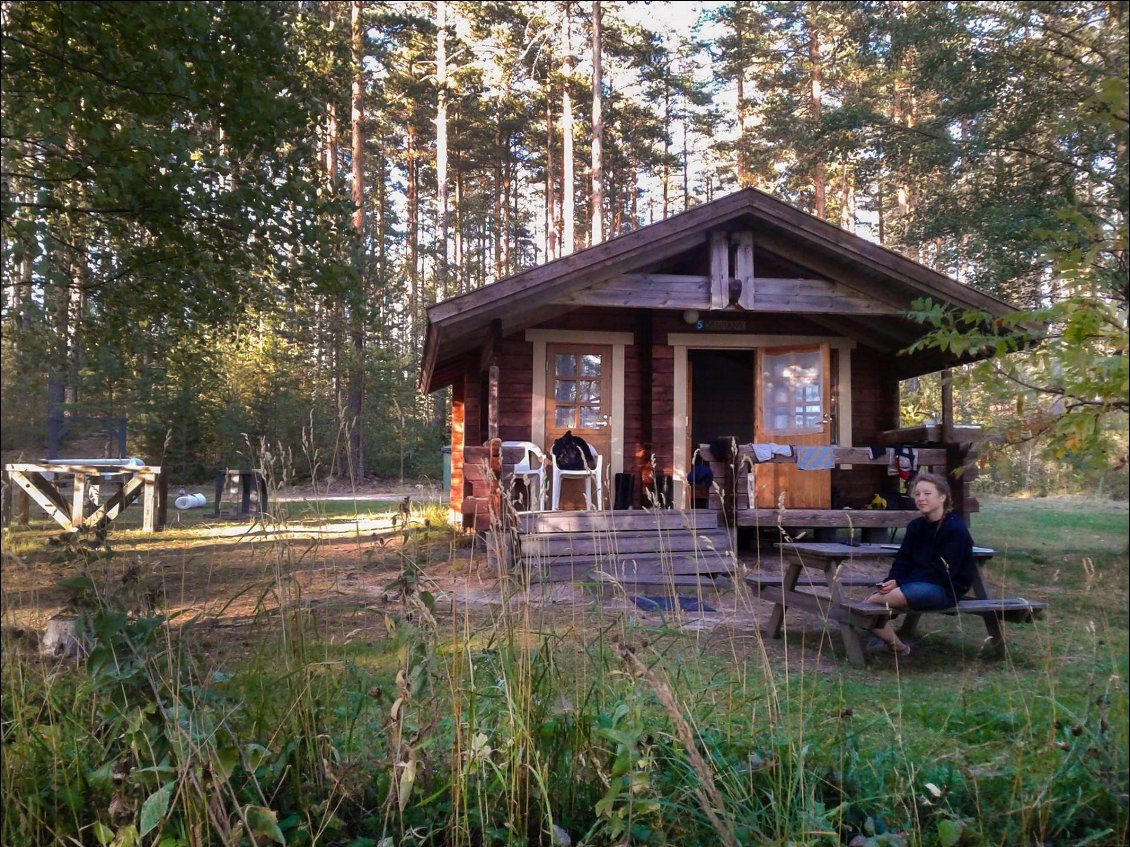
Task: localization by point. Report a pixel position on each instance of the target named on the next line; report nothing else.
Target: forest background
(224, 221)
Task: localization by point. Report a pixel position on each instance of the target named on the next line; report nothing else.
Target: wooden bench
(993, 611)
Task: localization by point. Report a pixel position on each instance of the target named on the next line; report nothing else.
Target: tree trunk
(499, 199)
(505, 226)
(76, 303)
(847, 198)
(744, 177)
(818, 177)
(357, 327)
(666, 174)
(441, 145)
(412, 258)
(551, 251)
(686, 162)
(568, 233)
(597, 132)
(458, 277)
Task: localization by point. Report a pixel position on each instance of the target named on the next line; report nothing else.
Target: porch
(867, 504)
(693, 542)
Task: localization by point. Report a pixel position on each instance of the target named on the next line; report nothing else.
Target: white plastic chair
(531, 470)
(589, 475)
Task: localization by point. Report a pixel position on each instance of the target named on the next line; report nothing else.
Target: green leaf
(950, 832)
(103, 833)
(225, 759)
(264, 822)
(155, 807)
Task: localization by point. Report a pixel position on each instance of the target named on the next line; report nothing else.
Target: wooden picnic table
(794, 589)
(40, 482)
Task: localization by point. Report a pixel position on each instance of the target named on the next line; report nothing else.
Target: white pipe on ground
(190, 501)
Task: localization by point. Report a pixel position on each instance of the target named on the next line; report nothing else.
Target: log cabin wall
(515, 388)
(474, 414)
(466, 430)
(458, 442)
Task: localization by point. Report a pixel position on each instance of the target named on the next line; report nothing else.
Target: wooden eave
(863, 271)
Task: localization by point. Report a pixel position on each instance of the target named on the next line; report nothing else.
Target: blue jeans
(925, 596)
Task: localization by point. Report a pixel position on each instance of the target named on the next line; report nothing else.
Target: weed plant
(542, 725)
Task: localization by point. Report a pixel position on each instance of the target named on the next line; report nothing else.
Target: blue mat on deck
(663, 603)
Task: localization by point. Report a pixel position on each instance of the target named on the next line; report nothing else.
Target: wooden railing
(733, 489)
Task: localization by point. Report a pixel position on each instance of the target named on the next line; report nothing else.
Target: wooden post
(719, 270)
(9, 489)
(947, 406)
(743, 269)
(458, 414)
(492, 401)
(955, 453)
(78, 500)
(495, 462)
(149, 504)
(162, 500)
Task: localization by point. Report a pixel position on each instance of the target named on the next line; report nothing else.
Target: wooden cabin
(740, 320)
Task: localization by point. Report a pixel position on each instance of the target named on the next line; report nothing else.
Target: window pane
(590, 417)
(589, 391)
(590, 365)
(565, 417)
(566, 364)
(565, 391)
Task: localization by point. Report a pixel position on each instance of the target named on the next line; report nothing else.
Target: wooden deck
(733, 492)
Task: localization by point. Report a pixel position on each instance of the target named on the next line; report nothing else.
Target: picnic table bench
(792, 588)
(135, 480)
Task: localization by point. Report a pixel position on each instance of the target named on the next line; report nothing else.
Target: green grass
(495, 729)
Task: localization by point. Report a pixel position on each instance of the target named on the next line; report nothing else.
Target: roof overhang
(462, 324)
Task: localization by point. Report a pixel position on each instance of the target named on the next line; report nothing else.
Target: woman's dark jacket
(941, 553)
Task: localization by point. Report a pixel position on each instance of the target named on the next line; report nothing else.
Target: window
(577, 390)
(792, 391)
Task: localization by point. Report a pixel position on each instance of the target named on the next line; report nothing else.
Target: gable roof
(856, 268)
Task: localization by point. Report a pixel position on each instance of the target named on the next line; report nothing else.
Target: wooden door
(793, 406)
(579, 383)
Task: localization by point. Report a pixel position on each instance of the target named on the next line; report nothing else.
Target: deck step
(585, 569)
(685, 583)
(637, 546)
(615, 521)
(686, 561)
(548, 544)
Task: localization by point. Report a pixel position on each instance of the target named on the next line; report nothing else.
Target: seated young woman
(934, 566)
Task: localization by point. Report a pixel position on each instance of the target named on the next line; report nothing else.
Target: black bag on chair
(572, 453)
